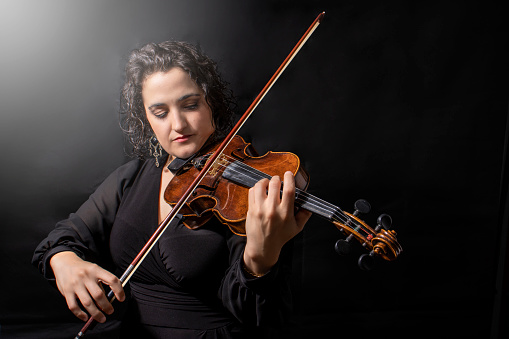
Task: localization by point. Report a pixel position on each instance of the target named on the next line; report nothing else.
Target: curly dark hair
(161, 57)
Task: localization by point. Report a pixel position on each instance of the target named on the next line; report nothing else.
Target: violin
(223, 193)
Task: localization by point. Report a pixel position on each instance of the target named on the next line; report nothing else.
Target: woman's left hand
(271, 222)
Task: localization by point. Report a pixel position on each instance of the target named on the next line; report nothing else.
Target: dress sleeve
(257, 301)
(86, 232)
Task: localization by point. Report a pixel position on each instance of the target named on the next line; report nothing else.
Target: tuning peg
(343, 246)
(361, 206)
(367, 261)
(385, 221)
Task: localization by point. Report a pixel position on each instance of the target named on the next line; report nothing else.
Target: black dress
(191, 285)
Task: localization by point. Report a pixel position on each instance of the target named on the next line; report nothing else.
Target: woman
(204, 283)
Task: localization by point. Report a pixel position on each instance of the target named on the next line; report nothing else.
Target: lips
(182, 138)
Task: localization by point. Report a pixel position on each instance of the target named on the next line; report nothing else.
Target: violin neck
(247, 176)
(316, 205)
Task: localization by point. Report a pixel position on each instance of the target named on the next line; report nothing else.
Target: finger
(260, 190)
(288, 196)
(251, 198)
(274, 190)
(89, 304)
(99, 297)
(114, 283)
(72, 304)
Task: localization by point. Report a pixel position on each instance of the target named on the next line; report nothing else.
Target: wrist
(257, 265)
(62, 258)
(250, 273)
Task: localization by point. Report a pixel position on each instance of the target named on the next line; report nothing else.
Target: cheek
(202, 121)
(210, 123)
(152, 124)
(210, 120)
(156, 125)
(160, 129)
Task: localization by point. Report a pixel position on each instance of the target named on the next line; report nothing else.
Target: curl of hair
(162, 57)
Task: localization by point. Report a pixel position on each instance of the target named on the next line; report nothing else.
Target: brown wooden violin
(223, 193)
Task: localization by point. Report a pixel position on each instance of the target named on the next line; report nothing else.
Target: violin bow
(131, 269)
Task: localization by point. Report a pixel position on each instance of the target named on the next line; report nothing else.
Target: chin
(186, 150)
(184, 154)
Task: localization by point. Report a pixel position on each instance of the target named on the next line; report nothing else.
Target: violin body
(218, 194)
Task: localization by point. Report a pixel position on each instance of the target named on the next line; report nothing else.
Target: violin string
(319, 203)
(257, 177)
(336, 214)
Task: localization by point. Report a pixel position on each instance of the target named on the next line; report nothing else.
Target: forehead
(169, 85)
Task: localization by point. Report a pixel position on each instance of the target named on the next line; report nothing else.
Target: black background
(400, 103)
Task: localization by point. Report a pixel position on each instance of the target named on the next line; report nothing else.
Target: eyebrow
(182, 98)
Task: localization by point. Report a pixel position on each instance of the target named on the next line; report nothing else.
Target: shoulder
(129, 169)
(122, 177)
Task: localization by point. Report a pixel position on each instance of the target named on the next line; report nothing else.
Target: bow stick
(169, 218)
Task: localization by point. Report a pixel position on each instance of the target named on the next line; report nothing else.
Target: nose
(178, 121)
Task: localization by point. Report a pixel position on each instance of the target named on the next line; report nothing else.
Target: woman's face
(177, 112)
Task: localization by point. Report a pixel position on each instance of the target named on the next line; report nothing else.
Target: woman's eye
(191, 106)
(160, 114)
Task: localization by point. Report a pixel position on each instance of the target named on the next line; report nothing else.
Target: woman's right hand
(81, 280)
